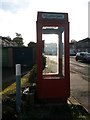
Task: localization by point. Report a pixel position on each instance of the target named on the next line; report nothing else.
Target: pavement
(79, 90)
(72, 100)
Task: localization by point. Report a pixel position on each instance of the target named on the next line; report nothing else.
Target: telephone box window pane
(53, 50)
(50, 52)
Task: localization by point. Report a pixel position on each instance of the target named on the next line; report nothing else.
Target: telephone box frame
(51, 87)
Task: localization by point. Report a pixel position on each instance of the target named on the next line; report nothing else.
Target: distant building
(72, 47)
(80, 46)
(50, 49)
(83, 45)
(7, 42)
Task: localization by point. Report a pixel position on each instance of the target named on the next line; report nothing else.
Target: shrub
(33, 72)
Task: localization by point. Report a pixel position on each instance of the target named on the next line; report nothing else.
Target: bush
(33, 72)
(44, 61)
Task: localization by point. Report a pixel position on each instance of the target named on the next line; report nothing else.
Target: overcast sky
(20, 16)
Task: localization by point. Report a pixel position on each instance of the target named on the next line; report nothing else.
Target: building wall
(80, 46)
(83, 45)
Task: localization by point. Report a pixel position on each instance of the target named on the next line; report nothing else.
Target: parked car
(83, 56)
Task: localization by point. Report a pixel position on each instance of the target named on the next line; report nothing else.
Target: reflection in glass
(53, 50)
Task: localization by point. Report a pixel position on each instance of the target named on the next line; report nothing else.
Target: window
(53, 50)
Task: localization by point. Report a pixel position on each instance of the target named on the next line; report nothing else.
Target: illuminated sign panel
(52, 16)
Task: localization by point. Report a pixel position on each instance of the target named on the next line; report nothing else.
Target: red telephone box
(53, 83)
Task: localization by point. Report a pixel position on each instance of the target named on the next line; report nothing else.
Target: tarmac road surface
(80, 82)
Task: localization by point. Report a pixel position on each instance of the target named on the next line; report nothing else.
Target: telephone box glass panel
(53, 50)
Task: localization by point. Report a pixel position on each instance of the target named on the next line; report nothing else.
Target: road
(79, 80)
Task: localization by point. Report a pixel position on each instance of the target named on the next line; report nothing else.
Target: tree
(18, 39)
(8, 38)
(73, 41)
(32, 45)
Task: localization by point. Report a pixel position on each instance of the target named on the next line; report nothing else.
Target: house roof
(84, 40)
(7, 41)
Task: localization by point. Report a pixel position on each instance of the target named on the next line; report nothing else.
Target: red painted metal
(52, 87)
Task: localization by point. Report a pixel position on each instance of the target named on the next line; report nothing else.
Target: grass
(53, 112)
(6, 84)
(11, 89)
(37, 111)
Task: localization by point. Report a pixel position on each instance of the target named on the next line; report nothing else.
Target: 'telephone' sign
(52, 16)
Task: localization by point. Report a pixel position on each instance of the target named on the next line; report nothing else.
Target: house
(72, 47)
(83, 45)
(7, 42)
(80, 46)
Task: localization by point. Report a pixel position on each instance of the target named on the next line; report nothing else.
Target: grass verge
(40, 112)
(11, 89)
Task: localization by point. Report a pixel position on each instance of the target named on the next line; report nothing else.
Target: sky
(89, 19)
(20, 16)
